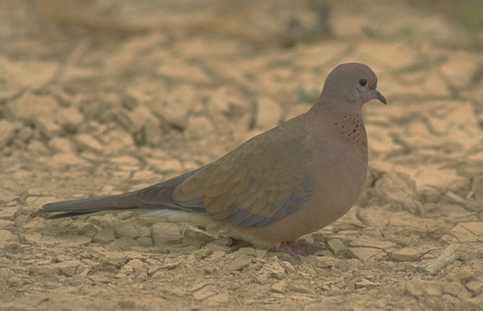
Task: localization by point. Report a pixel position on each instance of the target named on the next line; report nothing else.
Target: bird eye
(363, 82)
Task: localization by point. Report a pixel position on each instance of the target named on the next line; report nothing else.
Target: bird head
(349, 86)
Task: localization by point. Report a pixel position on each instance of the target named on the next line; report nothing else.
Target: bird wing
(259, 183)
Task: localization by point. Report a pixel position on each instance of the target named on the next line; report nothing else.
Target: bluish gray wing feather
(263, 181)
(245, 218)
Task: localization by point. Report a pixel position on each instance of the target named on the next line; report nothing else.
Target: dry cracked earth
(111, 96)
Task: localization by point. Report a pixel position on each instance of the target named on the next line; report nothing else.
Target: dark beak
(381, 97)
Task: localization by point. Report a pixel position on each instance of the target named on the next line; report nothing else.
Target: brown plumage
(289, 181)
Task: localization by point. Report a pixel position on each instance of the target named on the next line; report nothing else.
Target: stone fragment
(276, 270)
(199, 126)
(145, 126)
(398, 189)
(68, 268)
(217, 254)
(382, 140)
(477, 188)
(300, 288)
(6, 237)
(365, 283)
(104, 236)
(136, 268)
(61, 145)
(67, 159)
(338, 248)
(474, 227)
(365, 253)
(418, 288)
(39, 110)
(239, 263)
(459, 69)
(87, 142)
(123, 243)
(279, 287)
(26, 73)
(38, 148)
(369, 242)
(7, 133)
(269, 113)
(6, 224)
(130, 230)
(70, 118)
(463, 232)
(117, 140)
(447, 256)
(170, 263)
(166, 233)
(165, 165)
(144, 176)
(153, 134)
(145, 241)
(193, 235)
(183, 71)
(139, 116)
(7, 212)
(204, 292)
(438, 177)
(287, 266)
(216, 300)
(229, 103)
(125, 161)
(475, 287)
(176, 106)
(406, 254)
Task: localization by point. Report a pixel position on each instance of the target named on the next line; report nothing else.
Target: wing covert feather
(262, 181)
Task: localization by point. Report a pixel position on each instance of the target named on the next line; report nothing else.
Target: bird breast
(340, 179)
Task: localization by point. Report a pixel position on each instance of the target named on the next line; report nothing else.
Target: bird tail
(89, 205)
(156, 197)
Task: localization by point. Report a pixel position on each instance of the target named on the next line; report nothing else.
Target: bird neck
(341, 104)
(346, 124)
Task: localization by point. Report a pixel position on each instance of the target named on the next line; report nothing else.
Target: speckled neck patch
(351, 127)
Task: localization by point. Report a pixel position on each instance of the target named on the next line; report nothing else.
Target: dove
(289, 181)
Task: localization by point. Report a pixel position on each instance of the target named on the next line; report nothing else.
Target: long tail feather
(89, 205)
(155, 197)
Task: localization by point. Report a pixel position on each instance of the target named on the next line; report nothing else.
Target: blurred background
(105, 76)
(103, 96)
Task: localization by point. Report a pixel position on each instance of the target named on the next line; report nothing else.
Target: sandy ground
(110, 97)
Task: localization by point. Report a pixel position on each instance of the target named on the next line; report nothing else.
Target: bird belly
(340, 188)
